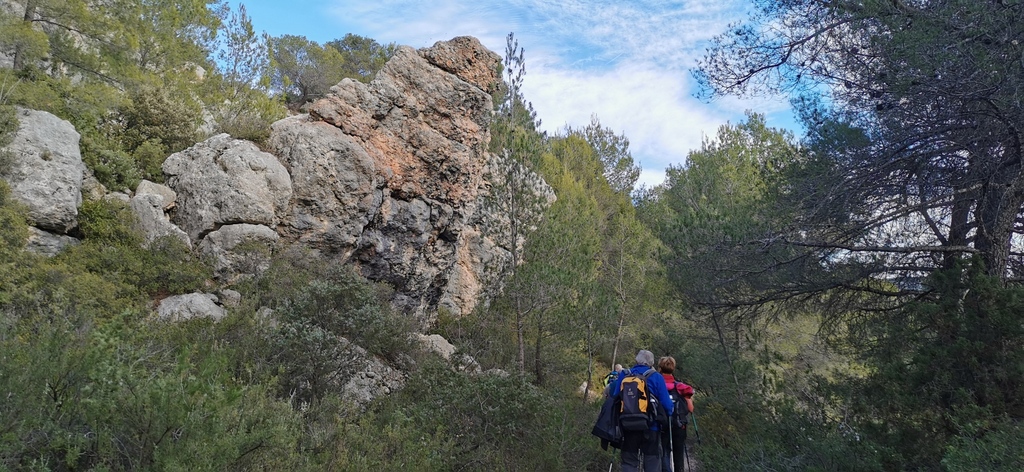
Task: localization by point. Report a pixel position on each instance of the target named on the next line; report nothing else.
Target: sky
(627, 62)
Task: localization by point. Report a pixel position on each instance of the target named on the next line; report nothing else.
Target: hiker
(644, 442)
(673, 438)
(608, 379)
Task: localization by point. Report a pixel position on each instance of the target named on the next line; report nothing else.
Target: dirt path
(692, 463)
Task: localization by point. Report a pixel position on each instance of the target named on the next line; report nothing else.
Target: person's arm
(660, 390)
(688, 395)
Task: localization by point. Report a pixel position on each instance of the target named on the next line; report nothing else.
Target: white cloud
(652, 107)
(419, 24)
(626, 62)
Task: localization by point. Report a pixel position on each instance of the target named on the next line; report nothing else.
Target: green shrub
(985, 443)
(319, 323)
(251, 118)
(113, 168)
(13, 226)
(302, 288)
(108, 222)
(120, 396)
(384, 439)
(744, 438)
(8, 128)
(482, 422)
(160, 113)
(150, 156)
(114, 248)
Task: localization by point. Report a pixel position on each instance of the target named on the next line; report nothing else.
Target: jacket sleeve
(660, 390)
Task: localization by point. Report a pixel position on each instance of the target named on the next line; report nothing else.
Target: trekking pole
(686, 458)
(695, 430)
(671, 448)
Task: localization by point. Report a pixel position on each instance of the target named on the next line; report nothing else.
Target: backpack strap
(659, 414)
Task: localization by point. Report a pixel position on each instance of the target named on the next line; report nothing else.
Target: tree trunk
(520, 338)
(998, 207)
(618, 334)
(725, 351)
(958, 227)
(30, 13)
(538, 370)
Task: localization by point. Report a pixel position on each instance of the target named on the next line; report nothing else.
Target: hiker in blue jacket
(645, 443)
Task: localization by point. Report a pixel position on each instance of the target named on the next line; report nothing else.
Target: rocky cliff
(393, 177)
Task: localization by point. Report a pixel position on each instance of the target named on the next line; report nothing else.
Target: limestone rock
(438, 344)
(92, 189)
(393, 176)
(165, 193)
(334, 184)
(48, 244)
(371, 378)
(47, 170)
(239, 250)
(464, 57)
(223, 181)
(230, 297)
(192, 305)
(390, 176)
(150, 203)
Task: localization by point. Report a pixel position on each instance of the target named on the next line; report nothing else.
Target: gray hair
(645, 357)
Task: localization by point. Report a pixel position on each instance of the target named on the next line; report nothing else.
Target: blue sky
(625, 61)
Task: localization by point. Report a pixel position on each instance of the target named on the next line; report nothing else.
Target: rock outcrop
(47, 170)
(391, 176)
(46, 243)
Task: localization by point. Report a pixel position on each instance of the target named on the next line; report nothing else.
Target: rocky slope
(393, 177)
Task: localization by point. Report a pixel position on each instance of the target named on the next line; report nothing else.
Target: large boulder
(48, 244)
(239, 250)
(223, 181)
(47, 170)
(189, 306)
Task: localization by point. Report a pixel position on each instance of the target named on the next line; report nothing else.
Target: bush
(150, 156)
(319, 325)
(332, 296)
(13, 226)
(113, 247)
(8, 128)
(160, 113)
(480, 422)
(251, 118)
(113, 168)
(737, 438)
(985, 443)
(119, 396)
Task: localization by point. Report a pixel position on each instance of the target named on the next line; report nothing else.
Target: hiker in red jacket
(673, 439)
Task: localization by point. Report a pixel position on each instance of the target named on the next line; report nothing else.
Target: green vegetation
(304, 71)
(845, 300)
